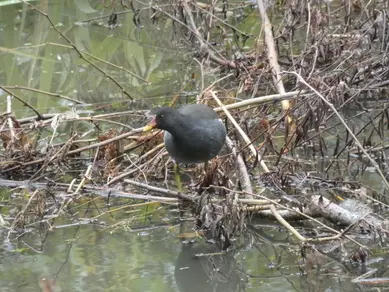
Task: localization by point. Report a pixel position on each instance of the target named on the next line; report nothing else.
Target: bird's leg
(205, 169)
(177, 175)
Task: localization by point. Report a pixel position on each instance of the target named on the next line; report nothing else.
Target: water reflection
(144, 62)
(203, 267)
(92, 258)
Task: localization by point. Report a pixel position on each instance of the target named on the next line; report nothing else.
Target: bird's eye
(161, 116)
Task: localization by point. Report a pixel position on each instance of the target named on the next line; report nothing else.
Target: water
(139, 254)
(88, 259)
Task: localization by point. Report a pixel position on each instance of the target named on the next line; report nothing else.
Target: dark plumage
(193, 133)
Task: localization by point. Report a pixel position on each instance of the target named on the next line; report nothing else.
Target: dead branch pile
(322, 62)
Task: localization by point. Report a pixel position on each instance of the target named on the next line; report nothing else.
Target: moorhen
(193, 133)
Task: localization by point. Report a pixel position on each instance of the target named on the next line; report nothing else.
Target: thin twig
(204, 45)
(241, 132)
(86, 53)
(21, 213)
(262, 99)
(43, 92)
(241, 167)
(40, 117)
(332, 107)
(81, 54)
(283, 222)
(10, 122)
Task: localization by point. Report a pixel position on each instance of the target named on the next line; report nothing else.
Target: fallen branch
(241, 132)
(272, 53)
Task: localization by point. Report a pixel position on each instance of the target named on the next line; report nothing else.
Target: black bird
(193, 133)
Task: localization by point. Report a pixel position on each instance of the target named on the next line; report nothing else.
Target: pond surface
(87, 259)
(140, 255)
